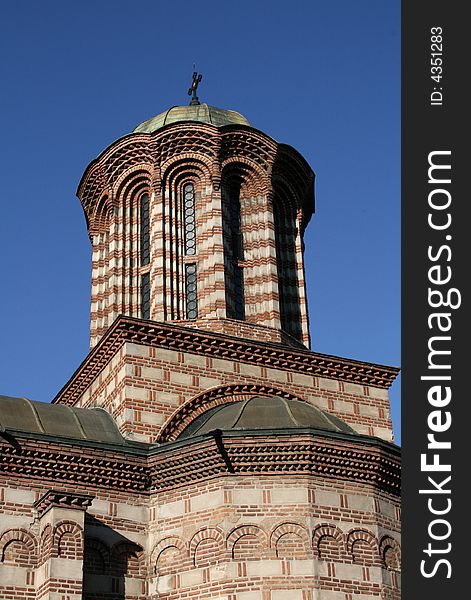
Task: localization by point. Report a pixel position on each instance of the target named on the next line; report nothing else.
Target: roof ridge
(241, 410)
(288, 410)
(37, 418)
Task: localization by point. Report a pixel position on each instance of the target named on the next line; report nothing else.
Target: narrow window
(288, 287)
(191, 292)
(236, 237)
(189, 218)
(239, 302)
(145, 231)
(145, 296)
(233, 251)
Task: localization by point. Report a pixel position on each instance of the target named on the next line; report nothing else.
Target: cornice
(262, 455)
(72, 463)
(186, 339)
(150, 142)
(54, 498)
(221, 144)
(360, 459)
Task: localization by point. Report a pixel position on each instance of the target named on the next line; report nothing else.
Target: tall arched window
(144, 235)
(233, 249)
(145, 296)
(288, 287)
(189, 235)
(189, 219)
(145, 230)
(191, 291)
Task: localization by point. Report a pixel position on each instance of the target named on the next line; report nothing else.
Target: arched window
(144, 239)
(145, 230)
(288, 287)
(189, 219)
(233, 249)
(191, 291)
(145, 296)
(189, 231)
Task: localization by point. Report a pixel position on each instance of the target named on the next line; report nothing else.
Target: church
(201, 450)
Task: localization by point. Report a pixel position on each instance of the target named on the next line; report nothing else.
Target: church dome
(264, 412)
(201, 113)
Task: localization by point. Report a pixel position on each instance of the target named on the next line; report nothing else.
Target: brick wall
(143, 387)
(159, 165)
(294, 516)
(234, 537)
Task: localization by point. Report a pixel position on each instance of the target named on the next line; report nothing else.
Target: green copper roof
(91, 424)
(264, 412)
(201, 113)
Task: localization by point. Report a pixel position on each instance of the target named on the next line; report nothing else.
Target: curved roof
(201, 113)
(264, 412)
(92, 424)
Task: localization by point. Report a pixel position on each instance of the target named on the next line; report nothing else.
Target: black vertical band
(435, 203)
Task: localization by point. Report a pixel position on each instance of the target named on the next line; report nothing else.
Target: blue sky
(323, 77)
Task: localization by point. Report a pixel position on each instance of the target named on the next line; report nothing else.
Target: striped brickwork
(159, 165)
(147, 374)
(297, 517)
(273, 514)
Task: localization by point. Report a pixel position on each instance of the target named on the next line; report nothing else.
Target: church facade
(201, 450)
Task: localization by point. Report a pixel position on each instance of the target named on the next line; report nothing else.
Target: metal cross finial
(194, 86)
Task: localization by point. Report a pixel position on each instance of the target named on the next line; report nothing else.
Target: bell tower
(197, 218)
(201, 450)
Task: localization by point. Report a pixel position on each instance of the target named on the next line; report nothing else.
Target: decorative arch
(94, 185)
(129, 153)
(283, 188)
(206, 546)
(101, 214)
(290, 168)
(18, 548)
(45, 544)
(328, 542)
(290, 540)
(67, 540)
(96, 556)
(249, 146)
(247, 542)
(254, 179)
(186, 139)
(216, 396)
(362, 547)
(127, 558)
(107, 172)
(175, 167)
(169, 554)
(390, 553)
(131, 182)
